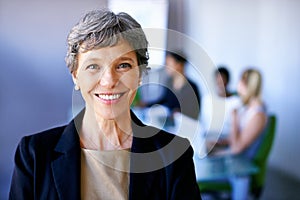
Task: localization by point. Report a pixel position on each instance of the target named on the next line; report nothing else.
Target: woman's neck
(254, 102)
(98, 133)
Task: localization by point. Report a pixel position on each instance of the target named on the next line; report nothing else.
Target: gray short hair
(102, 28)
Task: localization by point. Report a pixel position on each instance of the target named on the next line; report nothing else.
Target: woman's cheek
(131, 79)
(240, 89)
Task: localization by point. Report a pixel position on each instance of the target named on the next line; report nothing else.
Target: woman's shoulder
(48, 133)
(44, 139)
(170, 141)
(153, 139)
(259, 107)
(166, 137)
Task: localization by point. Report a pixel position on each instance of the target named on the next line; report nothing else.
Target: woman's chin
(109, 113)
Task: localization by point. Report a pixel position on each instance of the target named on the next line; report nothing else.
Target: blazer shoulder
(165, 139)
(44, 139)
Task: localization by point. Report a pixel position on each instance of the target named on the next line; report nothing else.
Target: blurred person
(105, 152)
(248, 121)
(224, 102)
(180, 93)
(222, 77)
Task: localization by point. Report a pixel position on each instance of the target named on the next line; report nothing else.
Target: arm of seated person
(217, 147)
(240, 140)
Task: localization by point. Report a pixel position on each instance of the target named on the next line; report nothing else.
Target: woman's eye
(93, 67)
(124, 67)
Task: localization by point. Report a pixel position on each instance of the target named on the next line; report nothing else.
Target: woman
(248, 121)
(105, 152)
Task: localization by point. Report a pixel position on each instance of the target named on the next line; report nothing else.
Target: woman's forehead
(118, 51)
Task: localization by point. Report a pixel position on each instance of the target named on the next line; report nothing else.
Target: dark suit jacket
(187, 100)
(47, 165)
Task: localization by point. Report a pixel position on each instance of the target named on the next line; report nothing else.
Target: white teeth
(109, 97)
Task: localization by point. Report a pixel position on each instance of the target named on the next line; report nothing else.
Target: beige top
(104, 174)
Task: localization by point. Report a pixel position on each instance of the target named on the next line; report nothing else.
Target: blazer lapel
(66, 165)
(145, 176)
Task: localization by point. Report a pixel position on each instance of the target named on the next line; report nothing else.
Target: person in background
(180, 93)
(216, 119)
(222, 78)
(105, 152)
(248, 121)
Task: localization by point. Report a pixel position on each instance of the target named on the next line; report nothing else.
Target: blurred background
(36, 87)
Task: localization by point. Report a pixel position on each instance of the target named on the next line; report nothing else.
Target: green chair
(260, 160)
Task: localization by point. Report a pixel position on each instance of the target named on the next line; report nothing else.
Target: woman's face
(173, 67)
(221, 83)
(108, 78)
(242, 88)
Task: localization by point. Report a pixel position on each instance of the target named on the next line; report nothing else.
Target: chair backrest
(263, 152)
(266, 145)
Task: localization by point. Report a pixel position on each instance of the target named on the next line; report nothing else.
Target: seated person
(180, 93)
(222, 78)
(216, 111)
(248, 122)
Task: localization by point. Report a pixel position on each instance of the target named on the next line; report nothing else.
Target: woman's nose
(108, 78)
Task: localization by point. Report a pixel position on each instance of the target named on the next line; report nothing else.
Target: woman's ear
(75, 80)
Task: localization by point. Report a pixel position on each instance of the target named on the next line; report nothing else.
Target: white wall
(264, 34)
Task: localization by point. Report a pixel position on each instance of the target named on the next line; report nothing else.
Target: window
(153, 16)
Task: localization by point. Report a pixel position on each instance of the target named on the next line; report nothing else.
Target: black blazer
(47, 165)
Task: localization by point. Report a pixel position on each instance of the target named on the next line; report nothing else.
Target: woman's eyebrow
(124, 58)
(91, 60)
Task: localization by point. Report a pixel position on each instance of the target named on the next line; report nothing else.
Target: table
(235, 169)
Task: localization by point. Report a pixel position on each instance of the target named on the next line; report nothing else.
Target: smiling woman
(105, 152)
(108, 85)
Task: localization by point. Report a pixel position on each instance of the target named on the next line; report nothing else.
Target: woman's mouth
(106, 97)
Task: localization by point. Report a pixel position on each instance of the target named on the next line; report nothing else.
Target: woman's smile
(108, 78)
(109, 98)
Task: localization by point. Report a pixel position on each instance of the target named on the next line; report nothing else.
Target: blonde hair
(253, 80)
